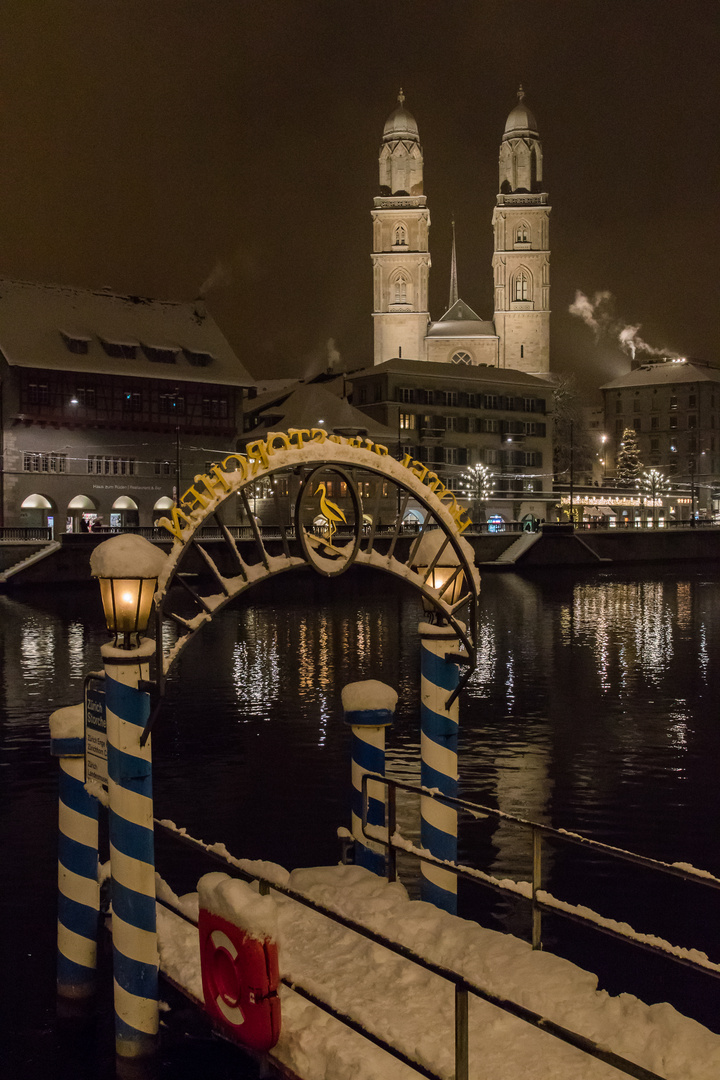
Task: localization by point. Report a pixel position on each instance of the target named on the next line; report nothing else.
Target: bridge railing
(10, 533)
(532, 891)
(463, 987)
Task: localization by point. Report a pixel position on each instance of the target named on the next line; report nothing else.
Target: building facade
(673, 406)
(518, 335)
(110, 404)
(451, 417)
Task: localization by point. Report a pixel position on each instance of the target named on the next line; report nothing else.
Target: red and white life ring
(240, 981)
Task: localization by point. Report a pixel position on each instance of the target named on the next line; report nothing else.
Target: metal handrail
(377, 835)
(462, 986)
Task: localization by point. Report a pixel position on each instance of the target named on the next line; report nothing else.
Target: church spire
(453, 273)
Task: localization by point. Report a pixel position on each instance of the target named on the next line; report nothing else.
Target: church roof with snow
(461, 321)
(100, 332)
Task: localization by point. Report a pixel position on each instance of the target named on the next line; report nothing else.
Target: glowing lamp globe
(127, 568)
(439, 567)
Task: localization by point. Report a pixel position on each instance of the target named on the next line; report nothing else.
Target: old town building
(109, 404)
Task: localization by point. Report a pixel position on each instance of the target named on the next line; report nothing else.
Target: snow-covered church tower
(521, 260)
(401, 259)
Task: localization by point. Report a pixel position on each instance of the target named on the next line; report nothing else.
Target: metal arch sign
(330, 530)
(267, 455)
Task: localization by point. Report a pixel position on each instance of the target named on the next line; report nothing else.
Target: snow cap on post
(369, 702)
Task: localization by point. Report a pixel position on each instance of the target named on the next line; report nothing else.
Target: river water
(594, 708)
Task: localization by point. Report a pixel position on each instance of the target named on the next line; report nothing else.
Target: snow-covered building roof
(666, 372)
(311, 405)
(100, 332)
(471, 373)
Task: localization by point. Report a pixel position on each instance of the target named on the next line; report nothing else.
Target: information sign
(95, 733)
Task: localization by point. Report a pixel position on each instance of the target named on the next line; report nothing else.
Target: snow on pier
(414, 1009)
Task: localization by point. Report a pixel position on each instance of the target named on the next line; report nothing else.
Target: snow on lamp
(127, 568)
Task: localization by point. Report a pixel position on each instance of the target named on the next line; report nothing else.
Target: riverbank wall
(32, 564)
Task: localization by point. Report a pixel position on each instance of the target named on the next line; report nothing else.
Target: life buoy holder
(240, 980)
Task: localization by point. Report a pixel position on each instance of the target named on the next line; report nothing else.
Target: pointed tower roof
(401, 123)
(520, 121)
(453, 273)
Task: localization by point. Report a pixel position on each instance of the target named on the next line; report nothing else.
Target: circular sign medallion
(328, 520)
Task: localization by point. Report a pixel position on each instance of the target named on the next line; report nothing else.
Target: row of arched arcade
(85, 512)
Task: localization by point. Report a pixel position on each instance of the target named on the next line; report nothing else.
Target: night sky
(152, 145)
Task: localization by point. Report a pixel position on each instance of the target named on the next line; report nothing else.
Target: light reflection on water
(592, 708)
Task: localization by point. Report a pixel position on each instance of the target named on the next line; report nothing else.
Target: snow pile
(369, 694)
(414, 1009)
(68, 723)
(128, 555)
(238, 903)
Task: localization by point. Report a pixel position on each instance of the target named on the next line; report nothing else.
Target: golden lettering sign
(236, 469)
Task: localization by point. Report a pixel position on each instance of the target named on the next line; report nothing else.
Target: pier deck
(414, 1009)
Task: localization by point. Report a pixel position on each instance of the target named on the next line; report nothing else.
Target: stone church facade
(518, 335)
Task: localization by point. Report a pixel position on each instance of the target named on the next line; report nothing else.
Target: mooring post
(439, 760)
(132, 851)
(78, 889)
(369, 707)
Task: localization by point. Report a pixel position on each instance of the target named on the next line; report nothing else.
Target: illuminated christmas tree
(629, 465)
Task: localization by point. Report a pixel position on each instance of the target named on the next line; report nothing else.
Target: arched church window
(461, 358)
(400, 236)
(401, 283)
(521, 236)
(521, 286)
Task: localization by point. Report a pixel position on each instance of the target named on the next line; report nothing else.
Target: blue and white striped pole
(78, 889)
(132, 851)
(439, 761)
(369, 707)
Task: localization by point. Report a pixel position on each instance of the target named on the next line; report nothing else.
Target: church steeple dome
(401, 123)
(520, 151)
(520, 121)
(401, 156)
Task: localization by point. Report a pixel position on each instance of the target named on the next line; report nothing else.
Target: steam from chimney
(599, 315)
(334, 359)
(219, 277)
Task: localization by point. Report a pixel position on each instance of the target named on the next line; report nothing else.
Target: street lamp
(437, 563)
(127, 568)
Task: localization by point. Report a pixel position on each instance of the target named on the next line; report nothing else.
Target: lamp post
(692, 491)
(439, 567)
(128, 567)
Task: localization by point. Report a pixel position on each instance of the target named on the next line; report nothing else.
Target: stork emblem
(317, 526)
(330, 511)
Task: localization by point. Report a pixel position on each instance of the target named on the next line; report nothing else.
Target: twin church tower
(518, 335)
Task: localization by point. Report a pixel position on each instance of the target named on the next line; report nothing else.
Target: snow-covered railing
(540, 900)
(463, 987)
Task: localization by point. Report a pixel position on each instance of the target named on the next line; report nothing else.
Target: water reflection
(592, 708)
